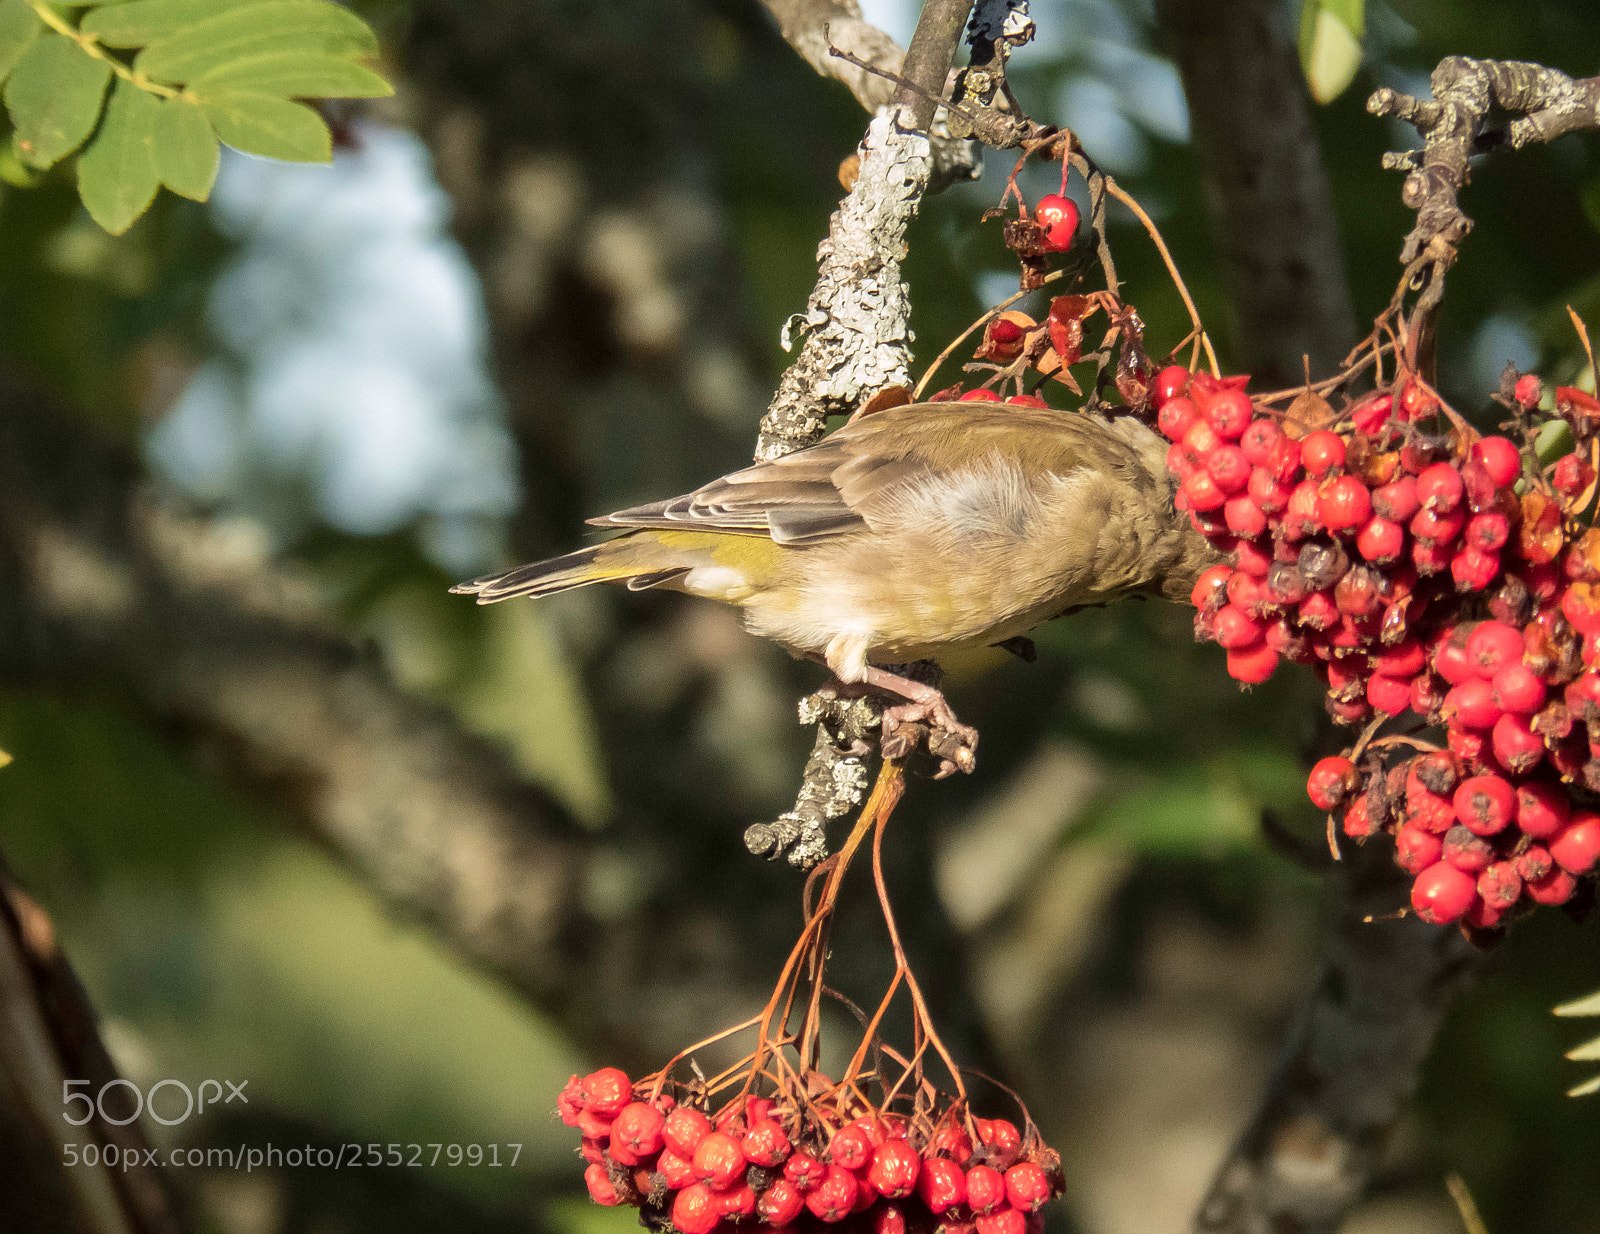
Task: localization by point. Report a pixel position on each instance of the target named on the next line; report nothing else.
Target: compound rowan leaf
(294, 74)
(261, 29)
(19, 26)
(187, 152)
(118, 173)
(276, 128)
(54, 96)
(1330, 45)
(137, 23)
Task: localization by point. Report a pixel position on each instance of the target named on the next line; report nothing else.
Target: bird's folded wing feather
(835, 487)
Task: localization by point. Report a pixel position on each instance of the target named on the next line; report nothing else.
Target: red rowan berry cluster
(824, 1160)
(1438, 575)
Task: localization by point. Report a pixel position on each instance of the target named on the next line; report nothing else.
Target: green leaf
(138, 22)
(294, 75)
(276, 128)
(273, 26)
(117, 173)
(1584, 1006)
(187, 152)
(19, 26)
(1330, 45)
(1586, 1089)
(54, 95)
(1588, 1052)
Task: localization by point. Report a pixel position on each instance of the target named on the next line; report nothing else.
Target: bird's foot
(924, 719)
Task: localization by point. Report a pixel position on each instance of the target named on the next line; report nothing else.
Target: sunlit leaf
(54, 96)
(275, 26)
(1583, 1006)
(19, 26)
(139, 22)
(1330, 45)
(276, 128)
(187, 152)
(294, 74)
(117, 173)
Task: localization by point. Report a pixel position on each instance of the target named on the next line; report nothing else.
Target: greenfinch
(907, 533)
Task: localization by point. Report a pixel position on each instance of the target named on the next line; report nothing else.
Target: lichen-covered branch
(857, 321)
(1543, 104)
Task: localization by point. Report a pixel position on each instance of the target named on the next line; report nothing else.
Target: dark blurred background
(303, 819)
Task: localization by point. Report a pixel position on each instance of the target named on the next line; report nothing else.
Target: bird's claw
(931, 724)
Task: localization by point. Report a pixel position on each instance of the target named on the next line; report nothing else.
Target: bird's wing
(837, 486)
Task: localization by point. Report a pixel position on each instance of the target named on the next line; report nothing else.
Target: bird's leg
(953, 743)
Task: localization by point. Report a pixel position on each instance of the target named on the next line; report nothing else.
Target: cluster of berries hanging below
(826, 1161)
(1444, 574)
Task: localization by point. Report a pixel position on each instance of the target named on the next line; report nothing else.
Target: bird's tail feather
(613, 562)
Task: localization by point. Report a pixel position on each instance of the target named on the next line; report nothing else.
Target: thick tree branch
(1270, 209)
(814, 27)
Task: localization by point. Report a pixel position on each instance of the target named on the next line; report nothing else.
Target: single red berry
(683, 1130)
(1502, 459)
(1500, 885)
(1321, 452)
(1466, 851)
(638, 1128)
(1252, 665)
(1228, 411)
(780, 1204)
(606, 1091)
(1518, 690)
(951, 1140)
(893, 1173)
(765, 1143)
(1244, 517)
(1303, 515)
(1344, 504)
(1176, 417)
(1381, 541)
(1236, 629)
(677, 1171)
(942, 1184)
(1317, 611)
(1440, 488)
(1435, 528)
(851, 1147)
(1542, 809)
(738, 1201)
(1331, 781)
(1415, 849)
(1580, 605)
(1057, 216)
(833, 1199)
(1390, 695)
(1170, 383)
(1268, 493)
(696, 1210)
(804, 1170)
(1473, 570)
(1358, 819)
(1210, 588)
(569, 1102)
(1228, 468)
(1027, 400)
(1259, 440)
(718, 1160)
(1405, 659)
(1397, 501)
(1578, 847)
(600, 1188)
(1528, 390)
(1442, 893)
(592, 1126)
(1571, 475)
(1556, 887)
(1203, 493)
(979, 396)
(1491, 646)
(986, 1189)
(1516, 746)
(1485, 804)
(1471, 705)
(1487, 532)
(1427, 696)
